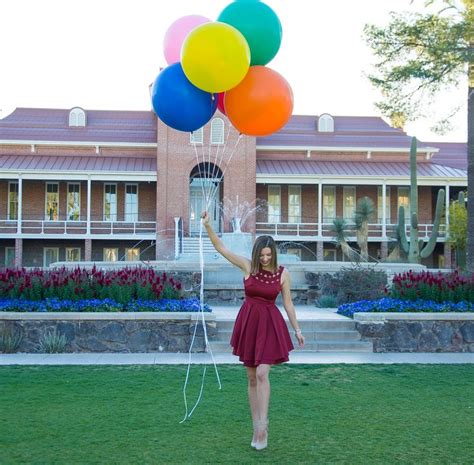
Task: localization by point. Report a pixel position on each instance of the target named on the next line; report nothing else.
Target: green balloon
(259, 24)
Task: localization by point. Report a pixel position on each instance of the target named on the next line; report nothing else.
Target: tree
(457, 233)
(364, 213)
(420, 55)
(339, 227)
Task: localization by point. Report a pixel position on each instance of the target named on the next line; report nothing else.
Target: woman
(260, 337)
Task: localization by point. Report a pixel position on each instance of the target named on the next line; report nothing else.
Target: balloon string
(213, 192)
(206, 339)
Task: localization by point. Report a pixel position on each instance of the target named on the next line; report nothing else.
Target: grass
(319, 414)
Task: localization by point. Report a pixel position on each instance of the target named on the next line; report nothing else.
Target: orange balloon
(261, 104)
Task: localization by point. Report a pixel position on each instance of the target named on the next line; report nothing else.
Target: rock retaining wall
(103, 332)
(416, 332)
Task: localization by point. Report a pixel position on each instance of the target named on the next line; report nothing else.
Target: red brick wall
(176, 158)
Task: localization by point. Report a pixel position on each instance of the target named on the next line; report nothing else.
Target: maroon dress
(260, 333)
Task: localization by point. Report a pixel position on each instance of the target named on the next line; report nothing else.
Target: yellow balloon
(215, 57)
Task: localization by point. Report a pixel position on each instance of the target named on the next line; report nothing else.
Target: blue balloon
(180, 104)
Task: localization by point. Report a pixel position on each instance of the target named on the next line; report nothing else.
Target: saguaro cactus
(457, 233)
(415, 249)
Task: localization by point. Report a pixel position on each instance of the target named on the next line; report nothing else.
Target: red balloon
(261, 104)
(220, 103)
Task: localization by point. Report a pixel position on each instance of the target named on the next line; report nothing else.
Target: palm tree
(339, 227)
(365, 211)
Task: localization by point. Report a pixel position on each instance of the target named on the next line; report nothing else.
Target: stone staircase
(191, 246)
(320, 336)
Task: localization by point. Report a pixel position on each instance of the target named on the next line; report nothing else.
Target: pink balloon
(176, 34)
(220, 103)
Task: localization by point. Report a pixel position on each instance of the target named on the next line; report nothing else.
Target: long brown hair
(260, 243)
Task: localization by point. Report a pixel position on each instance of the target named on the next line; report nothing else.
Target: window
(294, 204)
(110, 254)
(274, 204)
(50, 255)
(293, 251)
(110, 202)
(132, 255)
(73, 254)
(329, 204)
(380, 205)
(77, 117)
(9, 257)
(349, 203)
(326, 123)
(197, 136)
(404, 201)
(131, 202)
(12, 201)
(73, 201)
(217, 131)
(329, 255)
(52, 201)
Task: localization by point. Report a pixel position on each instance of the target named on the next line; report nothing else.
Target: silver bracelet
(297, 331)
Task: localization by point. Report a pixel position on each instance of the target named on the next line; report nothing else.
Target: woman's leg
(253, 400)
(263, 396)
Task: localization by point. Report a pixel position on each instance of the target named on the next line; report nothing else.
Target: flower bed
(388, 304)
(122, 286)
(437, 287)
(101, 305)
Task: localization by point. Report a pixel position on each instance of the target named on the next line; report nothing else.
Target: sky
(104, 54)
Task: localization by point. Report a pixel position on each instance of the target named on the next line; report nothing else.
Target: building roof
(453, 154)
(42, 124)
(349, 131)
(77, 163)
(360, 131)
(353, 169)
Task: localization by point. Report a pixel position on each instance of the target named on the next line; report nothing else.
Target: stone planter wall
(106, 332)
(234, 295)
(415, 332)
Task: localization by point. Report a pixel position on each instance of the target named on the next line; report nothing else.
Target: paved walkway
(202, 358)
(229, 313)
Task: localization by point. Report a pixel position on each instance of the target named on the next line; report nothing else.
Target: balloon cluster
(221, 64)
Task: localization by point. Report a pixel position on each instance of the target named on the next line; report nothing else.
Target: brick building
(120, 185)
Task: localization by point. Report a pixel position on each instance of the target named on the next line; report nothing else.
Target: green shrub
(10, 340)
(327, 301)
(354, 283)
(52, 342)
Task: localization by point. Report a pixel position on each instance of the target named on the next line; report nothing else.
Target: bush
(97, 305)
(438, 287)
(353, 284)
(52, 342)
(388, 304)
(122, 285)
(10, 340)
(327, 301)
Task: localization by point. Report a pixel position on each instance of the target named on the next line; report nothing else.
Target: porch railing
(99, 228)
(308, 231)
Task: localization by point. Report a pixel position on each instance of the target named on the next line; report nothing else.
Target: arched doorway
(205, 179)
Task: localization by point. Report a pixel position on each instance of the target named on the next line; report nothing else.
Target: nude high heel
(262, 425)
(255, 426)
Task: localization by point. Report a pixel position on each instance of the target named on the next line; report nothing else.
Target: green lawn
(319, 414)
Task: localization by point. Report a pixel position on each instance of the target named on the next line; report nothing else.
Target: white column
(176, 237)
(447, 206)
(384, 210)
(20, 203)
(88, 230)
(320, 209)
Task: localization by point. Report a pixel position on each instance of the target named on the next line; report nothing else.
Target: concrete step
(306, 325)
(322, 346)
(310, 336)
(191, 245)
(338, 335)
